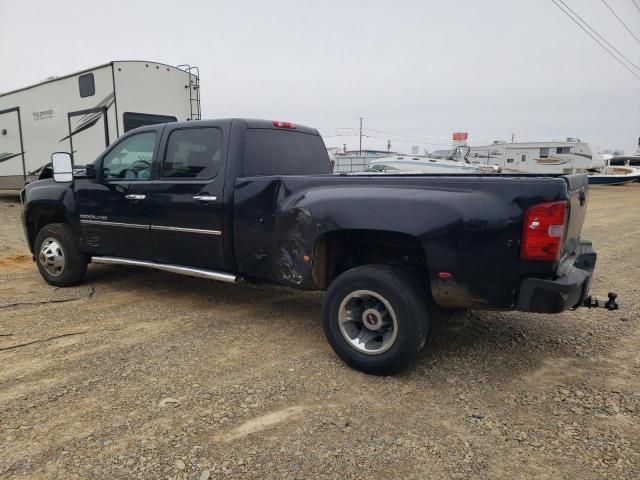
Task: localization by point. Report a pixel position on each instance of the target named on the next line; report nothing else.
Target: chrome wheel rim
(368, 322)
(51, 257)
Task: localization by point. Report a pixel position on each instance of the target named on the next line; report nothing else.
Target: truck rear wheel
(59, 261)
(376, 318)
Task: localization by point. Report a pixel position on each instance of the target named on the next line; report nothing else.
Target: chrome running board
(194, 272)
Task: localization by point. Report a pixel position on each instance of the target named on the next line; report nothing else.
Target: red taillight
(543, 231)
(279, 124)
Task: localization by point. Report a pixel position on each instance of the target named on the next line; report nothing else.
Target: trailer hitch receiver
(611, 304)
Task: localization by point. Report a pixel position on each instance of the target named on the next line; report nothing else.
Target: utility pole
(360, 136)
(513, 137)
(388, 146)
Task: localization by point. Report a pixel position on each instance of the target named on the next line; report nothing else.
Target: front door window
(130, 159)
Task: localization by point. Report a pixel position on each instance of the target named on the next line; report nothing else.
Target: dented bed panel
(468, 227)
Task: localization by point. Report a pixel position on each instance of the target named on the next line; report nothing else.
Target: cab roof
(249, 123)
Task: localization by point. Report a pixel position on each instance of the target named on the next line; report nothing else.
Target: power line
(398, 137)
(395, 136)
(339, 135)
(599, 36)
(440, 140)
(620, 20)
(392, 137)
(425, 140)
(636, 4)
(596, 40)
(360, 135)
(408, 136)
(399, 140)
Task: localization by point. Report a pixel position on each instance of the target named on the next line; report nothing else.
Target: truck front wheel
(59, 261)
(376, 318)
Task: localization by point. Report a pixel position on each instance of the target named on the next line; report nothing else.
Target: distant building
(334, 152)
(366, 153)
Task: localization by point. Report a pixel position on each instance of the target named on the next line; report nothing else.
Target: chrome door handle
(135, 197)
(205, 198)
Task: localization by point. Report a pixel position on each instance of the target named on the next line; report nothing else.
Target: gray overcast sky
(423, 68)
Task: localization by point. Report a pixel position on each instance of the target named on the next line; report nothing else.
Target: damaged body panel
(467, 228)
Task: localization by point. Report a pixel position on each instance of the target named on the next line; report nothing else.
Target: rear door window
(284, 152)
(193, 153)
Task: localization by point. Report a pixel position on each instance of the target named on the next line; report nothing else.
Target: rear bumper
(568, 290)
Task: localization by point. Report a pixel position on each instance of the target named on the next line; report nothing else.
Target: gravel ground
(142, 374)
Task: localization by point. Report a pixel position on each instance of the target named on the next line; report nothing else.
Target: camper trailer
(83, 112)
(537, 157)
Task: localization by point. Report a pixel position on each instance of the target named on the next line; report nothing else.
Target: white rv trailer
(535, 157)
(83, 112)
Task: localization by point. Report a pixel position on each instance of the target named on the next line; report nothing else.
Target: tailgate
(577, 185)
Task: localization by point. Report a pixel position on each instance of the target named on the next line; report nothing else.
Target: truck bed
(468, 225)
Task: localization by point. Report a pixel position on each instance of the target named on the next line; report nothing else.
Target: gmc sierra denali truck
(240, 200)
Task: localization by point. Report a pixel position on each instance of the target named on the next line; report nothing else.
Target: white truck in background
(82, 113)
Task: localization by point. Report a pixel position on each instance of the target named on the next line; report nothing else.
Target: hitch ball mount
(611, 304)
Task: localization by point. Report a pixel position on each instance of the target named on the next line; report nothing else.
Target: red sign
(459, 136)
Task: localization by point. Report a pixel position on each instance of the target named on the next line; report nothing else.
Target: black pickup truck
(242, 200)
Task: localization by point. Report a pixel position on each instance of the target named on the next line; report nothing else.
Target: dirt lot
(143, 374)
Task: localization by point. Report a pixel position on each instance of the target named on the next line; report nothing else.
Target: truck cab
(159, 191)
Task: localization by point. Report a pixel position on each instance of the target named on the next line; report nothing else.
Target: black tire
(64, 242)
(408, 301)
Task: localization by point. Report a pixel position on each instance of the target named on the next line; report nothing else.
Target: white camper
(83, 112)
(536, 157)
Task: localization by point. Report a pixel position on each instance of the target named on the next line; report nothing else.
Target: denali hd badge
(86, 216)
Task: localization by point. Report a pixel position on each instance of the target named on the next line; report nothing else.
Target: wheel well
(38, 217)
(338, 251)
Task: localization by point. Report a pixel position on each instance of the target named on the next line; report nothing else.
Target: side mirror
(90, 171)
(62, 166)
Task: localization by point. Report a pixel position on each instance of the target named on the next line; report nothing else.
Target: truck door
(12, 167)
(186, 198)
(114, 207)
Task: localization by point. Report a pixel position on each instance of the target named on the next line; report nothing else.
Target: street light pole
(360, 136)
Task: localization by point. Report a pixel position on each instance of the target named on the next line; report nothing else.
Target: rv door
(523, 158)
(12, 169)
(88, 134)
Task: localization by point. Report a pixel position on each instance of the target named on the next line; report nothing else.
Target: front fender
(46, 201)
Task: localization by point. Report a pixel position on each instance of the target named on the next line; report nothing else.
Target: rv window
(87, 85)
(134, 120)
(193, 153)
(131, 158)
(544, 152)
(563, 150)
